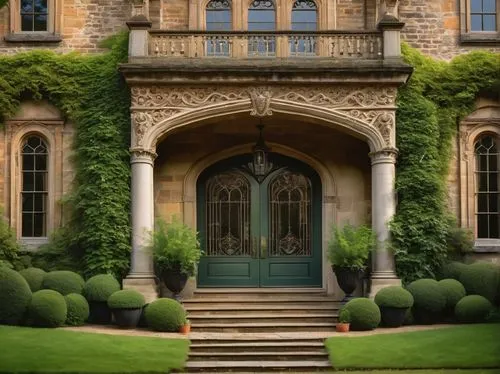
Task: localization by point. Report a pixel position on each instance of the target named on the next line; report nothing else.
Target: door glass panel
(290, 215)
(228, 215)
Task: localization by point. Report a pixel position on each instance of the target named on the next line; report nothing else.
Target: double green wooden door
(259, 233)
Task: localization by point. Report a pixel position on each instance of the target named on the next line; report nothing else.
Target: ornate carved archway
(366, 111)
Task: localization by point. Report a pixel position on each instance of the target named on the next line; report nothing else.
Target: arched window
(304, 16)
(261, 16)
(487, 187)
(34, 158)
(218, 15)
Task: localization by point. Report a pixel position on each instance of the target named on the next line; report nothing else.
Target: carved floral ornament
(367, 105)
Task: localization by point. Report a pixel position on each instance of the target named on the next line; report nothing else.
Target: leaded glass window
(261, 16)
(34, 154)
(304, 15)
(487, 187)
(34, 15)
(290, 215)
(483, 15)
(228, 215)
(218, 15)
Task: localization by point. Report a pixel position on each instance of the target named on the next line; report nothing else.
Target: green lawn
(24, 349)
(466, 346)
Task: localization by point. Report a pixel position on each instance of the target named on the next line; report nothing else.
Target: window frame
(468, 36)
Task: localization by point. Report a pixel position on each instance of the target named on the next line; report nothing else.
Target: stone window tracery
(219, 15)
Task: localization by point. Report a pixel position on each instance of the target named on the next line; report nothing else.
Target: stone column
(141, 276)
(391, 27)
(383, 209)
(138, 42)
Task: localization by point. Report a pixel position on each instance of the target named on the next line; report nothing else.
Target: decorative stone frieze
(362, 106)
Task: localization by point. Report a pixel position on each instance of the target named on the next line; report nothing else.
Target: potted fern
(176, 252)
(348, 251)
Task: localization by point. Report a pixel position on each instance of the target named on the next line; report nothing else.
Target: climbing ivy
(91, 93)
(437, 97)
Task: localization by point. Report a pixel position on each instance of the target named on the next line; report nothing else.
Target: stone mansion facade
(260, 122)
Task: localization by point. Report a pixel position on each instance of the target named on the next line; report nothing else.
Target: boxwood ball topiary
(15, 296)
(481, 278)
(100, 287)
(473, 309)
(452, 270)
(365, 314)
(394, 297)
(429, 300)
(453, 290)
(126, 299)
(63, 281)
(165, 315)
(78, 309)
(34, 277)
(47, 309)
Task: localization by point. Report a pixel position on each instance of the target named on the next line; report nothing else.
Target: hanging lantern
(260, 162)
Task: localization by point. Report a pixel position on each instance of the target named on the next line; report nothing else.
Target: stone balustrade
(333, 44)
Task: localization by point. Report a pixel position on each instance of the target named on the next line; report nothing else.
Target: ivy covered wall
(90, 92)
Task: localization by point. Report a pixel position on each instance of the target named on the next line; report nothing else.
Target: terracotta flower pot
(185, 329)
(342, 327)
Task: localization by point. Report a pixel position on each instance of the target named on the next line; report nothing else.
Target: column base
(145, 285)
(379, 281)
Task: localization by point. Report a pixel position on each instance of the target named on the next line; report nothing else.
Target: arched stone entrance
(365, 112)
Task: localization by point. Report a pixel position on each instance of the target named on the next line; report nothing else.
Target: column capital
(384, 156)
(142, 156)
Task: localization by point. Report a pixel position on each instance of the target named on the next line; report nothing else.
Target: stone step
(257, 356)
(255, 338)
(257, 366)
(271, 327)
(257, 346)
(239, 300)
(254, 297)
(268, 307)
(262, 317)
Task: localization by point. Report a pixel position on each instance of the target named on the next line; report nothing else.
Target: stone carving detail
(261, 101)
(368, 105)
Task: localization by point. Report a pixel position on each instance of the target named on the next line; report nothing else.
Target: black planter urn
(175, 281)
(127, 318)
(99, 314)
(393, 317)
(347, 280)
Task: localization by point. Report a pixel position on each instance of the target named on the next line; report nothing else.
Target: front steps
(261, 330)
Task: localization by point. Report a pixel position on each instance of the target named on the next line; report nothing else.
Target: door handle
(263, 247)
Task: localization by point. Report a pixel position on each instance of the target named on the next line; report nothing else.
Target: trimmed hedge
(452, 270)
(126, 299)
(47, 309)
(100, 287)
(481, 278)
(453, 290)
(430, 300)
(64, 282)
(165, 315)
(473, 309)
(394, 297)
(34, 277)
(78, 309)
(364, 314)
(15, 296)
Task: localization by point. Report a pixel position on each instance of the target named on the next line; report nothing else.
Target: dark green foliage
(34, 277)
(78, 309)
(126, 299)
(453, 290)
(9, 247)
(90, 91)
(481, 278)
(437, 96)
(452, 270)
(473, 309)
(165, 315)
(364, 314)
(64, 282)
(394, 297)
(47, 309)
(15, 296)
(3, 3)
(429, 300)
(100, 287)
